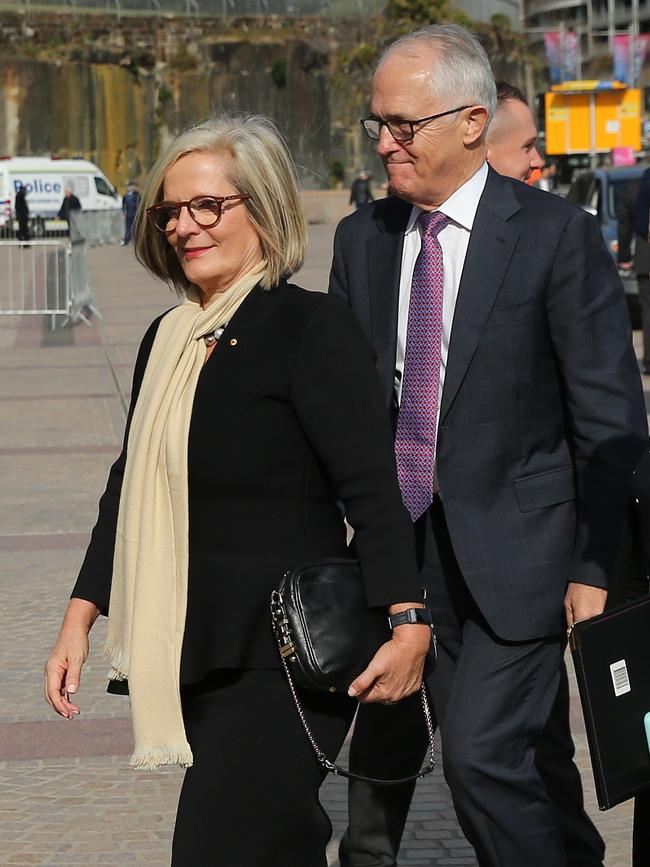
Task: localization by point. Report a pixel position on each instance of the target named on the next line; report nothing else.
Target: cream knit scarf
(149, 590)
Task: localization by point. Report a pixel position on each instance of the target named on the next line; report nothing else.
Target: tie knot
(433, 222)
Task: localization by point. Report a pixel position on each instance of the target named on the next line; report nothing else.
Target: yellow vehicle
(592, 117)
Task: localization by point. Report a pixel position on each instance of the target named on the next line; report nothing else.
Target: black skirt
(251, 797)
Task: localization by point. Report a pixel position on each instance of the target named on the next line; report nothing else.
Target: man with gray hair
(503, 346)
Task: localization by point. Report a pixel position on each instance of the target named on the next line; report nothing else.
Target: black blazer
(542, 415)
(285, 422)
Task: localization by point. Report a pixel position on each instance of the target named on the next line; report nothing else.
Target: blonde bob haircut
(261, 168)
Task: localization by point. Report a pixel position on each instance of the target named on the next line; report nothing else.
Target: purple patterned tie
(415, 440)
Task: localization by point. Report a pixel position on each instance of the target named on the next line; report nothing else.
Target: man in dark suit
(503, 344)
(511, 151)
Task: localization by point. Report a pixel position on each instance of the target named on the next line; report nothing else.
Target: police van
(45, 180)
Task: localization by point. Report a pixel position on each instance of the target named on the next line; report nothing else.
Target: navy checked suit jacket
(542, 416)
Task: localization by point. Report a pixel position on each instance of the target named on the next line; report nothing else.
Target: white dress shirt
(454, 238)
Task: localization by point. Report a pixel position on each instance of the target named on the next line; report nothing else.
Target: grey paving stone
(44, 423)
(25, 382)
(35, 587)
(74, 480)
(71, 357)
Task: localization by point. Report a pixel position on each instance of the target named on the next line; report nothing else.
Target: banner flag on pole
(640, 52)
(621, 58)
(571, 55)
(629, 57)
(554, 55)
(562, 54)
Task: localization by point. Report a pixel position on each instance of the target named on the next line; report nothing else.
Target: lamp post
(611, 24)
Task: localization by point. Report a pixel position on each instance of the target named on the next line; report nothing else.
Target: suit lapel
(384, 261)
(492, 243)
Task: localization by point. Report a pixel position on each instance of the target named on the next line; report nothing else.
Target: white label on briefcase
(620, 678)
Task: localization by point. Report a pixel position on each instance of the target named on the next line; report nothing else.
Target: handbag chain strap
(333, 768)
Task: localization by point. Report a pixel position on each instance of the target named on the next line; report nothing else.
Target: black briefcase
(611, 655)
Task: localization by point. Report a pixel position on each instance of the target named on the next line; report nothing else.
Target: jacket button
(233, 342)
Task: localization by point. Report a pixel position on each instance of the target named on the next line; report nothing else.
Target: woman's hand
(63, 668)
(395, 671)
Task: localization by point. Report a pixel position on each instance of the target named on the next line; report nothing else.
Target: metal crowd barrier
(39, 229)
(35, 278)
(99, 227)
(85, 231)
(49, 275)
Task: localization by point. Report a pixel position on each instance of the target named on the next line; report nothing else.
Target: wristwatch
(411, 615)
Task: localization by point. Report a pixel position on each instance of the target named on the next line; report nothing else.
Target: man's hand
(583, 601)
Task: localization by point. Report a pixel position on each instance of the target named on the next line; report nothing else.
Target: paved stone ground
(67, 795)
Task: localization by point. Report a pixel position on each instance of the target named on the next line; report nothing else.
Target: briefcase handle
(337, 770)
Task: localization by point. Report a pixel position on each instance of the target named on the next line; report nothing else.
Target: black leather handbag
(327, 635)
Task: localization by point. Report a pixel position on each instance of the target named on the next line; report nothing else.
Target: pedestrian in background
(512, 135)
(130, 204)
(69, 205)
(502, 340)
(21, 210)
(360, 192)
(245, 433)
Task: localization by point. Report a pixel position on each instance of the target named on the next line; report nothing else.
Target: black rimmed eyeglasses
(401, 130)
(206, 211)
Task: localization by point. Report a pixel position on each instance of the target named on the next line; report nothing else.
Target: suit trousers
(392, 740)
(387, 741)
(251, 797)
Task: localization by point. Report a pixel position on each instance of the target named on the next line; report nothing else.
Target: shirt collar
(462, 205)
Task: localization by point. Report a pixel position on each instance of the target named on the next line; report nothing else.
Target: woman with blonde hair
(255, 409)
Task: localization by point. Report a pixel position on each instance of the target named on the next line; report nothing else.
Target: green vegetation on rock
(406, 15)
(279, 73)
(183, 61)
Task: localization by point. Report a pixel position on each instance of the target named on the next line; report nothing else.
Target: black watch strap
(411, 615)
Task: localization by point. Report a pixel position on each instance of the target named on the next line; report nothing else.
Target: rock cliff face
(116, 93)
(77, 109)
(116, 90)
